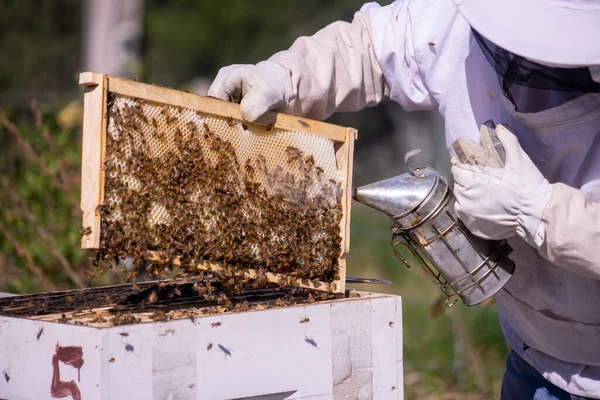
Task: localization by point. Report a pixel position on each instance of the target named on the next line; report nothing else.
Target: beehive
(184, 179)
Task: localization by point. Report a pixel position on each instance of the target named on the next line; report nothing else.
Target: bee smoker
(421, 204)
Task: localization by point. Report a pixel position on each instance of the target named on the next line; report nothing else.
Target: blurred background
(455, 353)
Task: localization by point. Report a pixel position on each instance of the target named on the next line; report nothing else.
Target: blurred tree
(39, 48)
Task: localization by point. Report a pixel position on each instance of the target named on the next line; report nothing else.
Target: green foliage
(189, 38)
(39, 44)
(37, 200)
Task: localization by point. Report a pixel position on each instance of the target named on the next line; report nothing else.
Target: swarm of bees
(174, 186)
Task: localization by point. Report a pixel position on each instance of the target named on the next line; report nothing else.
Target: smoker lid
(399, 195)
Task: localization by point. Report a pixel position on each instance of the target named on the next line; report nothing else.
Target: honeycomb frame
(100, 87)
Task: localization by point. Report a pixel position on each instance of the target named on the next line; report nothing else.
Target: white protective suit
(422, 54)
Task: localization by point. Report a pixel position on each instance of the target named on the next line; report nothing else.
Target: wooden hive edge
(222, 108)
(93, 149)
(250, 273)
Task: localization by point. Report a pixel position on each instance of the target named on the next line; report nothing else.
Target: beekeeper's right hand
(334, 70)
(259, 88)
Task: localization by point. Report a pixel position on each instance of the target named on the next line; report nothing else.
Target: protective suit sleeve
(334, 70)
(572, 223)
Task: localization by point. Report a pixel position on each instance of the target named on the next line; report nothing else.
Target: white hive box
(348, 349)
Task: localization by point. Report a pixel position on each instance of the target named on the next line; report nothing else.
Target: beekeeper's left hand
(497, 203)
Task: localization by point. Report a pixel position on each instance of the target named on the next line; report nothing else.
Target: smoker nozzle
(354, 193)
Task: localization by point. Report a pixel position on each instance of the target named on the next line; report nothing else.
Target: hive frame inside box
(98, 86)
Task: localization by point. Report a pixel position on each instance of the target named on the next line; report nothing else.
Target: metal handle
(400, 238)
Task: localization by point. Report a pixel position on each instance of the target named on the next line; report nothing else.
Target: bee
(90, 273)
(112, 360)
(431, 44)
(280, 303)
(152, 298)
(132, 275)
(63, 319)
(69, 299)
(123, 333)
(231, 122)
(216, 324)
(304, 320)
(6, 374)
(179, 109)
(210, 345)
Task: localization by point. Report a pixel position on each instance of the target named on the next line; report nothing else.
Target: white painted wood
(174, 360)
(268, 350)
(399, 347)
(346, 350)
(28, 360)
(383, 328)
(352, 350)
(129, 376)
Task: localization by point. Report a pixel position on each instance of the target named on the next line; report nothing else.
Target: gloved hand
(497, 203)
(260, 88)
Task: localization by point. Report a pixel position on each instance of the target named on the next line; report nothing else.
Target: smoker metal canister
(422, 206)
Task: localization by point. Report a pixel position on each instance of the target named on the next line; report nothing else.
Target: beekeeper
(533, 65)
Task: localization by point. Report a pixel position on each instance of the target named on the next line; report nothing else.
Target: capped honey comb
(182, 185)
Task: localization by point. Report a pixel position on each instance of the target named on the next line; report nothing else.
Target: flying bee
(304, 320)
(215, 324)
(210, 345)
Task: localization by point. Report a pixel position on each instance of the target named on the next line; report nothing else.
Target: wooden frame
(98, 86)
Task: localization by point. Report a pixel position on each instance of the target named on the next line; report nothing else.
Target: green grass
(458, 351)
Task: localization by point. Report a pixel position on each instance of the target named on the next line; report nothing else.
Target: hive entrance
(185, 186)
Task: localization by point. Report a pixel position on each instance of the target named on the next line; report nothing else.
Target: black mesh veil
(516, 70)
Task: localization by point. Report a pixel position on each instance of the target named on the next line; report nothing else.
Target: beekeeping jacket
(425, 56)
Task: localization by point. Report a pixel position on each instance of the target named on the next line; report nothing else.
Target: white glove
(497, 203)
(261, 88)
